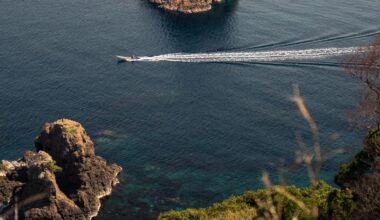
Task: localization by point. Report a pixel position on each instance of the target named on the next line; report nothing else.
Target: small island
(62, 179)
(186, 6)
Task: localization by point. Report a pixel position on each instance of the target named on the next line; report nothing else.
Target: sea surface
(186, 134)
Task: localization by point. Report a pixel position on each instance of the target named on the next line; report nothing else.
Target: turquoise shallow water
(186, 134)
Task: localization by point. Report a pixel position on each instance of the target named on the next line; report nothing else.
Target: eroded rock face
(70, 189)
(65, 140)
(7, 188)
(49, 201)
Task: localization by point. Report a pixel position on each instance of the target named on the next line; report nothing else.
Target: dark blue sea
(186, 134)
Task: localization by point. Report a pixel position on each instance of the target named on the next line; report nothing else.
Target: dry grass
(311, 159)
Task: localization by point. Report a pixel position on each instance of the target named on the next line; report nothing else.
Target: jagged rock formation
(63, 180)
(186, 6)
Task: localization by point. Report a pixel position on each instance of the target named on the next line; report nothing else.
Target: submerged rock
(63, 180)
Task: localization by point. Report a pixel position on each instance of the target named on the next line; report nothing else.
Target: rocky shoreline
(63, 179)
(186, 6)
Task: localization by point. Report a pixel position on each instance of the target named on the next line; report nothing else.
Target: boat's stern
(128, 58)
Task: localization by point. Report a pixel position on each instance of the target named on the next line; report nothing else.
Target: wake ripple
(265, 56)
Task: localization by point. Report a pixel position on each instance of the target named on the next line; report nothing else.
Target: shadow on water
(121, 61)
(209, 31)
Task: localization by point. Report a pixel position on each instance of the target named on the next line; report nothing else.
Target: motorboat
(129, 58)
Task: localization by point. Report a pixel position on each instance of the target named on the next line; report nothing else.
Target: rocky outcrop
(64, 179)
(186, 6)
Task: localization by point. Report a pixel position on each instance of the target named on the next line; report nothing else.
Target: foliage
(330, 201)
(365, 162)
(341, 204)
(362, 177)
(53, 166)
(372, 143)
(354, 170)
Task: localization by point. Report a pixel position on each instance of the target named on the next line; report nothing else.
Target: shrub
(53, 166)
(331, 202)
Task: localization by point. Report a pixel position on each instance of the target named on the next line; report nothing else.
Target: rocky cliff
(63, 179)
(186, 6)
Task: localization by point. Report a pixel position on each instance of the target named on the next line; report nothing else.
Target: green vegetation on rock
(71, 129)
(352, 171)
(341, 204)
(364, 162)
(332, 203)
(53, 166)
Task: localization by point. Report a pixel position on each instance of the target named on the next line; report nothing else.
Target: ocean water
(186, 134)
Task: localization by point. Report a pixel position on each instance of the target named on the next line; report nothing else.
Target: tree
(362, 176)
(364, 65)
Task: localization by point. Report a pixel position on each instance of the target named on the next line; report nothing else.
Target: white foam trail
(308, 54)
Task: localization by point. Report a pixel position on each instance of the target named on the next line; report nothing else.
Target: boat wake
(265, 56)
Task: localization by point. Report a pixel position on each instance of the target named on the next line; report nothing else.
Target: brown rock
(86, 178)
(87, 181)
(7, 187)
(70, 189)
(49, 201)
(186, 6)
(65, 139)
(39, 197)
